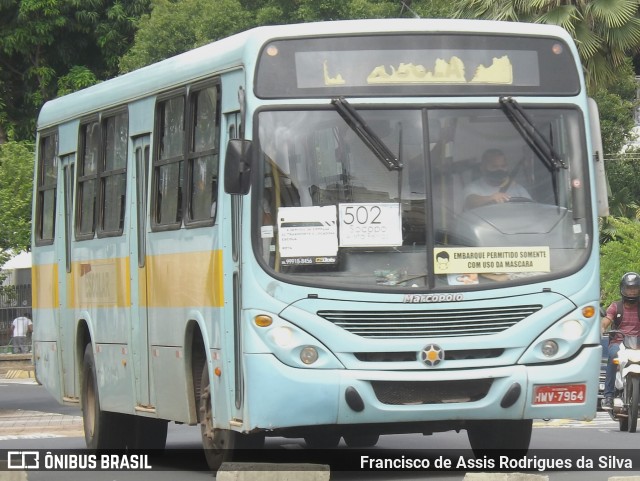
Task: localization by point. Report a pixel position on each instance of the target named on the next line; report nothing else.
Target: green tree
(16, 174)
(174, 26)
(606, 32)
(43, 40)
(620, 255)
(617, 104)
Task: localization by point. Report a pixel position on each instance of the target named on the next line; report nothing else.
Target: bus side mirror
(237, 167)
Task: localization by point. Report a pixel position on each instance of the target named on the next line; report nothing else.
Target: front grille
(432, 323)
(405, 356)
(430, 392)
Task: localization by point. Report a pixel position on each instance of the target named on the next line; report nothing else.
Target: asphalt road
(601, 434)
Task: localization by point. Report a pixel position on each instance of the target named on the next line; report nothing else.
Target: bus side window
(168, 164)
(113, 176)
(47, 180)
(86, 214)
(203, 156)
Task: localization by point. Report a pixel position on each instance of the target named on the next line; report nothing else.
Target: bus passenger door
(234, 281)
(139, 316)
(64, 232)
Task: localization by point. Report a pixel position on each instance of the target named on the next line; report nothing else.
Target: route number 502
(362, 214)
(370, 225)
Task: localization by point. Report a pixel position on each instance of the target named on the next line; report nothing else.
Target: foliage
(616, 120)
(174, 27)
(623, 174)
(78, 78)
(617, 104)
(606, 32)
(42, 41)
(16, 180)
(620, 255)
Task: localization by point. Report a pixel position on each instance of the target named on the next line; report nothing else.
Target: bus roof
(232, 51)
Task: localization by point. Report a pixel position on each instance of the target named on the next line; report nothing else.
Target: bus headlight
(282, 336)
(564, 338)
(309, 355)
(549, 348)
(288, 342)
(572, 329)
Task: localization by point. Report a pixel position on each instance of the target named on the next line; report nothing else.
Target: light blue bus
(274, 235)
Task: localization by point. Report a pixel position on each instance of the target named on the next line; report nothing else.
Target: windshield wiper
(534, 138)
(368, 136)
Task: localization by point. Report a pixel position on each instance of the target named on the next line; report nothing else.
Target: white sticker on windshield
(370, 225)
(307, 235)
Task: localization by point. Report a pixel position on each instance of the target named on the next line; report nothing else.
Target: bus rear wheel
(504, 435)
(102, 430)
(147, 433)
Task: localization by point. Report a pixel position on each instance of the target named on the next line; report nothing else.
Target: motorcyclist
(628, 322)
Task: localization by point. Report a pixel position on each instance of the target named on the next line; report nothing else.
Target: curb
(272, 472)
(6, 475)
(19, 374)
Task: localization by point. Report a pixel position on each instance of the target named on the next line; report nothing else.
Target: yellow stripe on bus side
(185, 279)
(45, 286)
(173, 280)
(100, 283)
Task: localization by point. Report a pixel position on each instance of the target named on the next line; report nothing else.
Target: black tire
(322, 440)
(102, 430)
(361, 440)
(624, 424)
(147, 433)
(634, 399)
(500, 435)
(220, 445)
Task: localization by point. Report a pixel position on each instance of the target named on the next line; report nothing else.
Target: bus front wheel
(102, 429)
(220, 444)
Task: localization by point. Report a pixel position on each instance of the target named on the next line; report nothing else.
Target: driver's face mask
(496, 177)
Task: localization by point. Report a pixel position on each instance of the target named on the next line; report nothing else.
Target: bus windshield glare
(330, 213)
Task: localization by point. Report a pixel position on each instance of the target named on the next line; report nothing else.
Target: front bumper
(279, 396)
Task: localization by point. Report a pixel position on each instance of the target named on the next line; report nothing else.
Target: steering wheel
(519, 199)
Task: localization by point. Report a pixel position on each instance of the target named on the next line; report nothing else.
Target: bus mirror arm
(237, 168)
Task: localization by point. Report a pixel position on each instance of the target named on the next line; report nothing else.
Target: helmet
(630, 287)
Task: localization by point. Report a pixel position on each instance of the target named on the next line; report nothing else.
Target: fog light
(549, 348)
(282, 336)
(309, 355)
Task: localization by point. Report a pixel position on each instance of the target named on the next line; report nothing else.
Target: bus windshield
(467, 200)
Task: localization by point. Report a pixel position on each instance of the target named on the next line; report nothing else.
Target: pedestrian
(20, 328)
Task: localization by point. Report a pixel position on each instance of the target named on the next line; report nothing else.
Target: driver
(627, 321)
(495, 186)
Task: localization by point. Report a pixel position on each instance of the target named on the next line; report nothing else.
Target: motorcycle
(627, 391)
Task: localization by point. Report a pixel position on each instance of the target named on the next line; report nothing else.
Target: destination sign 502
(370, 225)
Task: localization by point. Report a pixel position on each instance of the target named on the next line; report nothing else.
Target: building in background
(15, 294)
